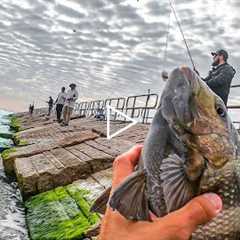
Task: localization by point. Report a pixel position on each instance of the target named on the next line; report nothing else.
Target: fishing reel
(164, 75)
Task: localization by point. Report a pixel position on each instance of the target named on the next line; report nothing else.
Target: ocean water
(4, 128)
(12, 216)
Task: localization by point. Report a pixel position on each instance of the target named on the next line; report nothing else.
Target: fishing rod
(182, 33)
(165, 73)
(235, 86)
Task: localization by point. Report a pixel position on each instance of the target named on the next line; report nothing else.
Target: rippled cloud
(108, 47)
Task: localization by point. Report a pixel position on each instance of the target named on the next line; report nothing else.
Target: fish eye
(221, 112)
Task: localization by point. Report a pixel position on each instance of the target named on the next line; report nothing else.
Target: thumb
(198, 211)
(124, 164)
(182, 223)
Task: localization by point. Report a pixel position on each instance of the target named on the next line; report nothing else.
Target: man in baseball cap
(220, 77)
(222, 53)
(71, 97)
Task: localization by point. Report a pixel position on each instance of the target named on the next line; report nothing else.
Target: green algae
(59, 214)
(22, 142)
(80, 196)
(15, 124)
(8, 160)
(18, 141)
(6, 153)
(15, 138)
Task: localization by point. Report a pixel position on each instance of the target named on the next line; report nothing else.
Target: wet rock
(31, 150)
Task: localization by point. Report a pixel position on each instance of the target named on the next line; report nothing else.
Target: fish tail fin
(100, 204)
(130, 199)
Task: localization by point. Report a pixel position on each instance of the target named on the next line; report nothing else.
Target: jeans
(59, 109)
(50, 110)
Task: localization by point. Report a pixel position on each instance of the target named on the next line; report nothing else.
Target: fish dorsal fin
(130, 198)
(176, 187)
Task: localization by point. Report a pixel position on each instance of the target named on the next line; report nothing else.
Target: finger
(198, 211)
(124, 164)
(201, 209)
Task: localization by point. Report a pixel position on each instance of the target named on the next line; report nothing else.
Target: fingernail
(215, 200)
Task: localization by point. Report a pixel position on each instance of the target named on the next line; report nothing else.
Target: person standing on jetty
(31, 109)
(71, 97)
(50, 105)
(220, 77)
(59, 103)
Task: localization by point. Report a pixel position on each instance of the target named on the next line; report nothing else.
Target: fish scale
(227, 224)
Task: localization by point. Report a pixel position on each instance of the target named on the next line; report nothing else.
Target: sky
(108, 48)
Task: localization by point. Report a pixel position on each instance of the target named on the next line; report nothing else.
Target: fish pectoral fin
(176, 188)
(130, 199)
(100, 204)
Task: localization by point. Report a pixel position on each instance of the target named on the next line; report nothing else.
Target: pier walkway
(62, 170)
(52, 156)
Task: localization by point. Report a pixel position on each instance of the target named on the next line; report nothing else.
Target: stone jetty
(62, 170)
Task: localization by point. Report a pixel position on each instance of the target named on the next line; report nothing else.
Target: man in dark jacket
(50, 105)
(220, 77)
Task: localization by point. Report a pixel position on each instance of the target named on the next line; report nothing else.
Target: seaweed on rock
(59, 214)
(15, 124)
(5, 154)
(18, 141)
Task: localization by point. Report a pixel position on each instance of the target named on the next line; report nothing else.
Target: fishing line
(182, 33)
(165, 55)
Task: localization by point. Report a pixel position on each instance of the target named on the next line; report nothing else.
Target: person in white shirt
(71, 97)
(59, 103)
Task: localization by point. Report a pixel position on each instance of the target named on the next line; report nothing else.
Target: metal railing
(95, 106)
(117, 103)
(235, 107)
(142, 107)
(82, 109)
(139, 106)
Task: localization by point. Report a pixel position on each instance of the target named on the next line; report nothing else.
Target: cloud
(107, 46)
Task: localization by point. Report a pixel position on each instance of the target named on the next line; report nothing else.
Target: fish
(192, 148)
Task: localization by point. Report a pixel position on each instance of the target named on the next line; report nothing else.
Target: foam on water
(12, 216)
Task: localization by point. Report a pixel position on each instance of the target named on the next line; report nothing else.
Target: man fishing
(220, 77)
(31, 109)
(50, 105)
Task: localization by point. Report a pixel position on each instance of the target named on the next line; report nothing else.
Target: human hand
(179, 224)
